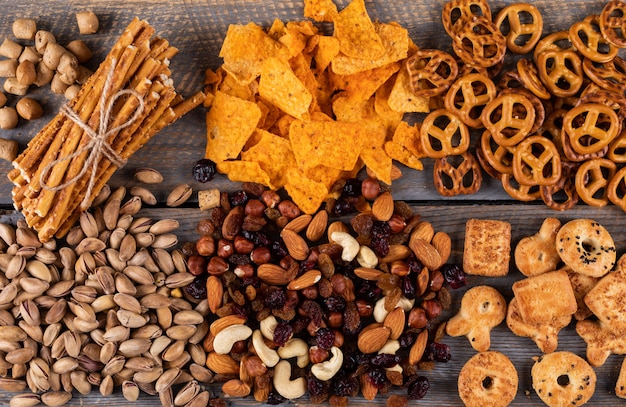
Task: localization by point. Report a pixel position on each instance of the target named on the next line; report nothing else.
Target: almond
(423, 280)
(367, 273)
(442, 242)
(337, 226)
(215, 292)
(367, 389)
(235, 388)
(226, 321)
(222, 364)
(274, 274)
(296, 245)
(417, 350)
(395, 322)
(424, 231)
(317, 226)
(396, 172)
(308, 279)
(382, 208)
(299, 224)
(396, 252)
(371, 340)
(426, 253)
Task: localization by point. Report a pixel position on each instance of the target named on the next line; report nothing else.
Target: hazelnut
(270, 198)
(217, 266)
(317, 354)
(310, 293)
(205, 246)
(225, 248)
(289, 209)
(335, 319)
(196, 265)
(339, 338)
(205, 227)
(243, 245)
(417, 318)
(239, 347)
(432, 307)
(436, 280)
(364, 308)
(254, 207)
(255, 366)
(244, 271)
(396, 223)
(370, 188)
(261, 255)
(338, 281)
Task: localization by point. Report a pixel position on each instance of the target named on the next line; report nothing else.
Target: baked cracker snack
(482, 308)
(620, 384)
(545, 297)
(601, 342)
(545, 334)
(563, 379)
(586, 247)
(537, 254)
(581, 284)
(488, 379)
(607, 301)
(487, 249)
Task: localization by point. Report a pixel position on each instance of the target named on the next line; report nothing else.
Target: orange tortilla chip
(281, 87)
(353, 110)
(230, 122)
(304, 192)
(363, 85)
(356, 34)
(408, 137)
(396, 42)
(331, 143)
(274, 155)
(402, 155)
(245, 171)
(402, 98)
(327, 50)
(320, 10)
(373, 153)
(245, 48)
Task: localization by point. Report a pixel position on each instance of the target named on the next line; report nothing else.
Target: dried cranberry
(253, 281)
(377, 377)
(380, 238)
(407, 339)
(385, 360)
(317, 387)
(352, 187)
(335, 303)
(437, 352)
(274, 398)
(197, 288)
(275, 299)
(314, 311)
(418, 387)
(454, 275)
(258, 238)
(342, 207)
(278, 249)
(240, 310)
(346, 387)
(282, 333)
(408, 287)
(238, 198)
(325, 338)
(204, 170)
(367, 290)
(415, 266)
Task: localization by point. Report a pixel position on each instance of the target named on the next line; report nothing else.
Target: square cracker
(487, 249)
(607, 300)
(544, 297)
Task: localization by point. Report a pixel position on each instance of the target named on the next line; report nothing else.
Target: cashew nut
(380, 313)
(367, 257)
(394, 368)
(390, 347)
(289, 389)
(326, 370)
(405, 303)
(348, 243)
(267, 327)
(226, 338)
(268, 355)
(295, 347)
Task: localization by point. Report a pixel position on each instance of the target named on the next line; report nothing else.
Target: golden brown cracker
(487, 249)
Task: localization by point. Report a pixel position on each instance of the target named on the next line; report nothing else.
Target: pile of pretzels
(548, 127)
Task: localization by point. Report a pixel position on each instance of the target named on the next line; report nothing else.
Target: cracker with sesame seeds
(487, 249)
(607, 301)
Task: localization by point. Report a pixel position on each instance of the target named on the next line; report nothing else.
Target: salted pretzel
(457, 175)
(467, 97)
(616, 190)
(592, 180)
(595, 94)
(562, 195)
(521, 36)
(590, 127)
(509, 117)
(560, 71)
(529, 77)
(536, 161)
(589, 41)
(486, 166)
(573, 155)
(612, 23)
(499, 157)
(557, 41)
(523, 193)
(442, 134)
(431, 72)
(609, 75)
(478, 41)
(456, 11)
(540, 110)
(617, 149)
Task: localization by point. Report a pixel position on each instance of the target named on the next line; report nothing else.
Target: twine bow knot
(98, 147)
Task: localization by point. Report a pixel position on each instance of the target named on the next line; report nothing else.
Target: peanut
(80, 50)
(28, 108)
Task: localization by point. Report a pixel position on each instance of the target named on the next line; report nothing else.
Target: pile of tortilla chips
(296, 109)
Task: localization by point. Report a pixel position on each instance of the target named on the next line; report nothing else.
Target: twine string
(97, 145)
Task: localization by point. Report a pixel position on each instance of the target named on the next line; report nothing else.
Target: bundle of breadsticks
(124, 104)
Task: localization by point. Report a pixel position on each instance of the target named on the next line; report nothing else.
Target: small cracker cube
(487, 249)
(545, 297)
(208, 199)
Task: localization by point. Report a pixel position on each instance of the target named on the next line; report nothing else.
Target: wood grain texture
(197, 28)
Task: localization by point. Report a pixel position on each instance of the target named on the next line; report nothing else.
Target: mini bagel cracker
(488, 379)
(563, 379)
(586, 247)
(487, 249)
(545, 335)
(482, 308)
(607, 301)
(537, 254)
(545, 297)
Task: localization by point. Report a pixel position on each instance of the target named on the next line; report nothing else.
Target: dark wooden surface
(197, 28)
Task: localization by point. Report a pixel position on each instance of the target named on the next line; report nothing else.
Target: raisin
(362, 224)
(338, 401)
(437, 352)
(380, 238)
(418, 387)
(407, 339)
(346, 387)
(204, 170)
(325, 338)
(415, 266)
(275, 299)
(351, 319)
(377, 378)
(238, 198)
(313, 311)
(335, 303)
(274, 398)
(454, 275)
(352, 187)
(342, 207)
(408, 287)
(282, 333)
(197, 288)
(397, 401)
(385, 360)
(317, 387)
